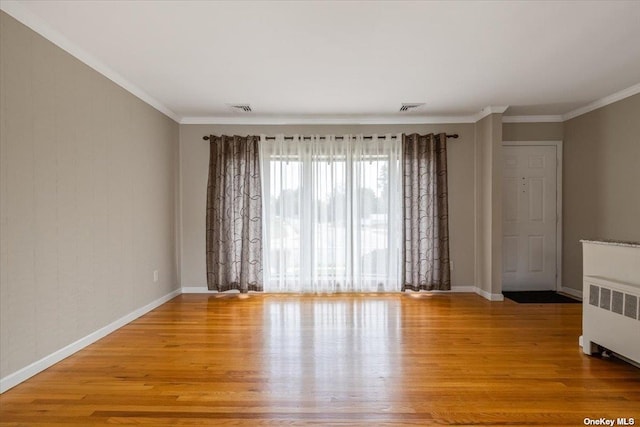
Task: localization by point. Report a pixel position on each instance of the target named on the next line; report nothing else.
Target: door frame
(558, 145)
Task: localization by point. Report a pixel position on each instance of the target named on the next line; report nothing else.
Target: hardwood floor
(333, 360)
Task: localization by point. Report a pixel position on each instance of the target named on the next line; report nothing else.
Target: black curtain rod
(454, 136)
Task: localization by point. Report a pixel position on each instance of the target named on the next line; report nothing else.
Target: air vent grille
(242, 107)
(406, 106)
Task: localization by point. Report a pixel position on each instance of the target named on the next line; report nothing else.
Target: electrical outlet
(451, 265)
(155, 275)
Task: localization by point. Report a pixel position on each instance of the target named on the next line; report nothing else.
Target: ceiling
(350, 61)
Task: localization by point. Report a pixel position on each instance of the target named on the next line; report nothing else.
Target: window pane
(284, 219)
(330, 216)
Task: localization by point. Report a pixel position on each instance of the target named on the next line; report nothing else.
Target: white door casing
(530, 218)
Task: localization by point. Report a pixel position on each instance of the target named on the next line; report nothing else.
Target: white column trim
(489, 296)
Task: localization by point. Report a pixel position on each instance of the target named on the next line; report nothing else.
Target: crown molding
(491, 109)
(328, 120)
(21, 13)
(602, 102)
(532, 119)
(599, 103)
(341, 119)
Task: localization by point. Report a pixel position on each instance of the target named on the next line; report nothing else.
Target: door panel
(536, 199)
(510, 248)
(510, 199)
(536, 254)
(529, 218)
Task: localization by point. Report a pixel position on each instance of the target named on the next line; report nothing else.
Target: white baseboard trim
(489, 296)
(570, 291)
(463, 289)
(204, 290)
(454, 290)
(198, 290)
(38, 366)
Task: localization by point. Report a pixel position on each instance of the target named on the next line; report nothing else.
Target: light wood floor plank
(392, 359)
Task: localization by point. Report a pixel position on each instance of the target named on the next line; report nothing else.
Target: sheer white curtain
(332, 214)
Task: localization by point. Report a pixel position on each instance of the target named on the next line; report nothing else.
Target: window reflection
(324, 347)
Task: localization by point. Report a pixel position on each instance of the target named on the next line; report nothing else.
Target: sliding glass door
(333, 214)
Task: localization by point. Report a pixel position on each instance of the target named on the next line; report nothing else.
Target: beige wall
(532, 131)
(601, 183)
(87, 175)
(194, 158)
(488, 261)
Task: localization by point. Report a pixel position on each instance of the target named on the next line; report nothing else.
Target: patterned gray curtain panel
(426, 217)
(234, 215)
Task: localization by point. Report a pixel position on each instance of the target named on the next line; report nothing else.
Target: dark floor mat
(540, 297)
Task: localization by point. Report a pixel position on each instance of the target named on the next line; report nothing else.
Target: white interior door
(529, 218)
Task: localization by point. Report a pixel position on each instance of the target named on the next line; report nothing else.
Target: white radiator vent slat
(615, 301)
(631, 306)
(605, 298)
(594, 295)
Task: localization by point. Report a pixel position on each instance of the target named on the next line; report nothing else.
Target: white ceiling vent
(406, 106)
(242, 107)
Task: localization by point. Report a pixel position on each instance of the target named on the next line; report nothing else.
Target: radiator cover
(611, 316)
